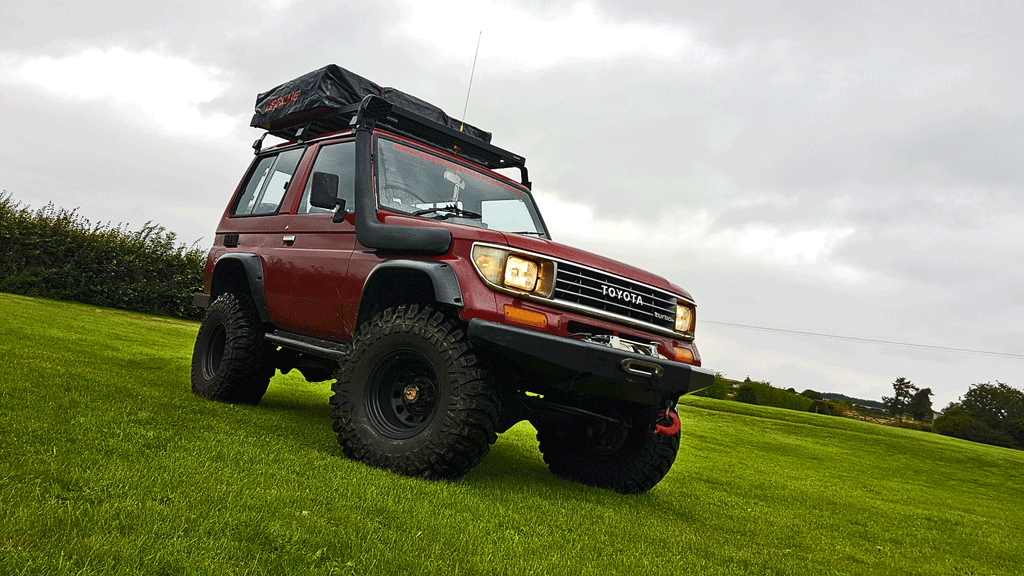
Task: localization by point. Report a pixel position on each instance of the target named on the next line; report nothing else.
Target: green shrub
(821, 407)
(911, 425)
(764, 394)
(56, 253)
(719, 390)
(747, 393)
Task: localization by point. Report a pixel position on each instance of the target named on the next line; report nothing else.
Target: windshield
(416, 182)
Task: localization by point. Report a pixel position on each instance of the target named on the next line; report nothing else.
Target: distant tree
(903, 392)
(920, 405)
(957, 422)
(854, 401)
(999, 406)
(811, 394)
(822, 407)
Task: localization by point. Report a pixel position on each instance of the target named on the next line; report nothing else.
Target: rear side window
(267, 184)
(339, 159)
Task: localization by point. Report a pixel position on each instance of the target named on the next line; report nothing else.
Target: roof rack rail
(327, 100)
(410, 124)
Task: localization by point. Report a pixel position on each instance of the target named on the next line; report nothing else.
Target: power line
(867, 340)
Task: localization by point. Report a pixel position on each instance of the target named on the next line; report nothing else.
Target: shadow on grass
(514, 455)
(296, 406)
(299, 411)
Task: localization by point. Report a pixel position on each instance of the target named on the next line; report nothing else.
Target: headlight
(490, 262)
(504, 270)
(684, 318)
(520, 274)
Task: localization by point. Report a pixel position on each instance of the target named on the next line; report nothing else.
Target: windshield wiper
(451, 209)
(527, 232)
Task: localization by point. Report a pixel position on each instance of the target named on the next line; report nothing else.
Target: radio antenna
(471, 72)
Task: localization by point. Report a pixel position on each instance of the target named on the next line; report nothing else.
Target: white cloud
(153, 88)
(577, 223)
(538, 40)
(785, 247)
(785, 361)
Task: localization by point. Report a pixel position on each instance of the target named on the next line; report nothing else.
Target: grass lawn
(109, 465)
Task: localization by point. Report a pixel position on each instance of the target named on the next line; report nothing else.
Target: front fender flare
(447, 289)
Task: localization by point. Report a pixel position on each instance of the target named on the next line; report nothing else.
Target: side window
(267, 184)
(337, 159)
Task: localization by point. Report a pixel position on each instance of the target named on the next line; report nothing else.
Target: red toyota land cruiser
(379, 246)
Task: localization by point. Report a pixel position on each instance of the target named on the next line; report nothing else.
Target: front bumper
(569, 365)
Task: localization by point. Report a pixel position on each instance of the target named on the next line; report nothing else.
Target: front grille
(612, 294)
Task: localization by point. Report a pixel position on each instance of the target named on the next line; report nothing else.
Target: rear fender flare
(241, 272)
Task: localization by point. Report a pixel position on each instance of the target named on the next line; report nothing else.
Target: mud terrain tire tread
(634, 468)
(461, 427)
(231, 362)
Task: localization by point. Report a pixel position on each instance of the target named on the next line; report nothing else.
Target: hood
(584, 258)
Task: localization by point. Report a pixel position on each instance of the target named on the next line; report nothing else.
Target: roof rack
(327, 100)
(409, 124)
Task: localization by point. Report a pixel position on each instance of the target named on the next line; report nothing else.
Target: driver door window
(339, 159)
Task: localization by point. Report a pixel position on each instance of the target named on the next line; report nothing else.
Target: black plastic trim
(370, 231)
(447, 289)
(253, 267)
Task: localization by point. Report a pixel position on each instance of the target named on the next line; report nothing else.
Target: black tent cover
(322, 93)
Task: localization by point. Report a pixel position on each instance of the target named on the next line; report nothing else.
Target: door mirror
(324, 193)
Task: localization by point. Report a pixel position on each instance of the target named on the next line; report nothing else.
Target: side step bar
(308, 345)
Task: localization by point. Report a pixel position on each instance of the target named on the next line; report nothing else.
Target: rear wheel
(628, 458)
(231, 362)
(411, 397)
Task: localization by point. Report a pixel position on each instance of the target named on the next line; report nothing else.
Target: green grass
(109, 465)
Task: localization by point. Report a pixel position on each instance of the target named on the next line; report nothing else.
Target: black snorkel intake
(370, 231)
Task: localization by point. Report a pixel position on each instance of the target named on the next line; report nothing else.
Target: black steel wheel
(401, 395)
(412, 398)
(628, 458)
(231, 362)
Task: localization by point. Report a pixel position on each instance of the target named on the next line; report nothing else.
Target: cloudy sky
(846, 168)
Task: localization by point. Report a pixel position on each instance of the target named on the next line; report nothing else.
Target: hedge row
(56, 253)
(764, 394)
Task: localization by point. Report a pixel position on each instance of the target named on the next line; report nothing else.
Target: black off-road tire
(627, 460)
(412, 398)
(231, 362)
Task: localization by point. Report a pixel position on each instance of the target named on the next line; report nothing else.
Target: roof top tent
(327, 99)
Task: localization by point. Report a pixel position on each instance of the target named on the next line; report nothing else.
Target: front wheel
(629, 458)
(411, 397)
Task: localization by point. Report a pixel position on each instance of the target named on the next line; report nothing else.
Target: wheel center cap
(411, 393)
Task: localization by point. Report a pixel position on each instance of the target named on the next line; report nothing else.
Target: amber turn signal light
(684, 355)
(525, 317)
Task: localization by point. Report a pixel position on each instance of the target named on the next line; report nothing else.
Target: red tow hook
(671, 426)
